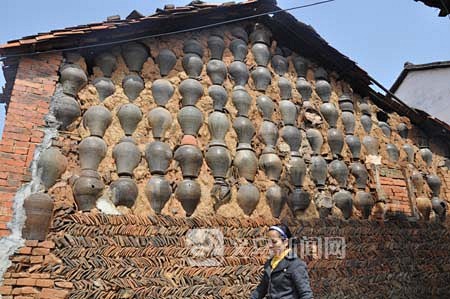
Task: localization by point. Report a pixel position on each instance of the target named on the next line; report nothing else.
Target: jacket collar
(281, 265)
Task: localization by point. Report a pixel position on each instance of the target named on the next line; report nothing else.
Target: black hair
(285, 229)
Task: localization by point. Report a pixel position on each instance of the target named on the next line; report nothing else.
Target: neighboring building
(426, 87)
(90, 134)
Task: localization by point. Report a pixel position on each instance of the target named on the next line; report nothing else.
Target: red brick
(24, 297)
(53, 294)
(24, 250)
(4, 232)
(40, 251)
(26, 282)
(9, 281)
(40, 275)
(47, 244)
(5, 290)
(44, 283)
(36, 259)
(20, 275)
(64, 284)
(31, 243)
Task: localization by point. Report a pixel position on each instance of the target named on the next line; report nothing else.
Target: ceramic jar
(107, 63)
(239, 49)
(280, 65)
(72, 78)
(330, 113)
(241, 100)
(346, 103)
(348, 119)
(244, 130)
(248, 198)
(366, 122)
(315, 140)
(265, 106)
(371, 145)
(339, 171)
(439, 207)
(51, 165)
(299, 200)
(260, 35)
(301, 66)
(132, 86)
(97, 119)
(318, 170)
(393, 152)
(360, 173)
(261, 78)
(323, 90)
(268, 133)
(160, 121)
(364, 202)
(38, 211)
(105, 87)
(135, 55)
(87, 189)
(65, 109)
(343, 200)
(240, 33)
(188, 193)
(276, 199)
(191, 91)
(218, 159)
(417, 180)
(293, 137)
(335, 140)
(409, 150)
(285, 88)
(166, 61)
(239, 73)
(403, 130)
(192, 65)
(296, 168)
(193, 46)
(385, 128)
(216, 47)
(218, 125)
(261, 54)
(129, 117)
(304, 88)
(91, 152)
(158, 192)
(162, 91)
(124, 192)
(190, 159)
(246, 163)
(158, 155)
(288, 112)
(126, 156)
(271, 164)
(434, 182)
(219, 97)
(190, 119)
(427, 156)
(217, 71)
(354, 145)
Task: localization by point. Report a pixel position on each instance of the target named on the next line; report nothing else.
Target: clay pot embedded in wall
(276, 199)
(188, 193)
(218, 159)
(158, 192)
(261, 54)
(73, 78)
(190, 159)
(426, 155)
(296, 168)
(87, 189)
(38, 211)
(271, 164)
(292, 136)
(343, 200)
(409, 150)
(91, 152)
(240, 33)
(135, 55)
(160, 121)
(288, 112)
(193, 46)
(97, 119)
(241, 100)
(301, 66)
(190, 119)
(162, 91)
(107, 63)
(124, 192)
(393, 152)
(132, 86)
(65, 109)
(216, 47)
(246, 163)
(219, 96)
(192, 65)
(364, 108)
(299, 200)
(364, 202)
(268, 132)
(366, 122)
(105, 87)
(335, 140)
(191, 91)
(217, 71)
(261, 78)
(304, 88)
(245, 131)
(126, 156)
(346, 103)
(260, 35)
(285, 88)
(330, 113)
(239, 73)
(403, 130)
(166, 61)
(315, 140)
(318, 170)
(424, 206)
(51, 166)
(239, 49)
(360, 173)
(323, 90)
(418, 181)
(439, 207)
(218, 125)
(339, 171)
(248, 198)
(129, 116)
(220, 193)
(371, 145)
(385, 128)
(434, 182)
(348, 119)
(354, 145)
(158, 155)
(280, 64)
(265, 106)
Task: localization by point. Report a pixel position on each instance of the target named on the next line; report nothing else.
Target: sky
(379, 35)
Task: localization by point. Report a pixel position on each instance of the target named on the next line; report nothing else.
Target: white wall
(428, 90)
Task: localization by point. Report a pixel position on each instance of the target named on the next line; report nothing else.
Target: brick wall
(30, 99)
(394, 185)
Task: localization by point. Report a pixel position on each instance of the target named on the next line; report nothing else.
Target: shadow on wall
(2, 119)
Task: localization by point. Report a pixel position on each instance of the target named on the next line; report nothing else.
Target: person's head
(279, 236)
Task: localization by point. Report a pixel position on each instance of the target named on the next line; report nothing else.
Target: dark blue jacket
(289, 280)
